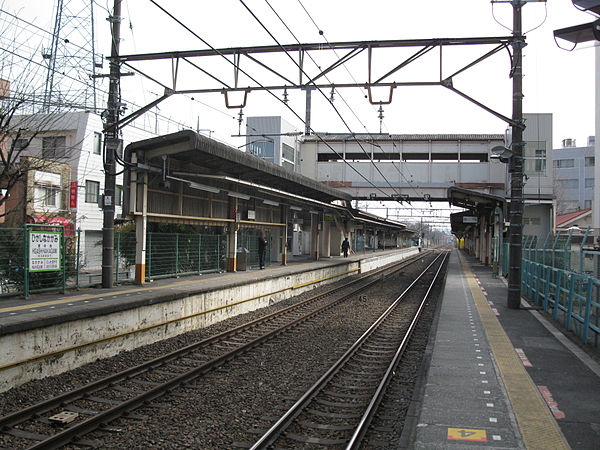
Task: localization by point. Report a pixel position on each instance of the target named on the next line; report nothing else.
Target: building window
(540, 161)
(47, 195)
(262, 149)
(92, 190)
(572, 183)
(50, 196)
(287, 152)
(97, 143)
(590, 161)
(119, 195)
(54, 147)
(535, 157)
(535, 221)
(20, 144)
(564, 163)
(588, 204)
(589, 182)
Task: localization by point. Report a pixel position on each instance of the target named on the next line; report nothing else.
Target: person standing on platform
(345, 247)
(262, 249)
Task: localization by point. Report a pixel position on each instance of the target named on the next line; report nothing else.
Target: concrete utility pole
(516, 162)
(596, 203)
(111, 144)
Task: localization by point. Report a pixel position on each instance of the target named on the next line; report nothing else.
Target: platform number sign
(44, 251)
(466, 434)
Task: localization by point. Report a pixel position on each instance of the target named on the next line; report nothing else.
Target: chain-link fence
(248, 239)
(78, 261)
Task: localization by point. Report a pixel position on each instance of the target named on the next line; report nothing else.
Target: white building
(75, 138)
(574, 176)
(273, 139)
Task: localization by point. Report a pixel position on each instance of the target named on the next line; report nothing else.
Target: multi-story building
(273, 139)
(66, 188)
(574, 174)
(538, 188)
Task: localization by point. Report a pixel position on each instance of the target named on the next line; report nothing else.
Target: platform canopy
(476, 203)
(192, 156)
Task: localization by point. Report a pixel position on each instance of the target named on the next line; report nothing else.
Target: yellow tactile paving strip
(536, 424)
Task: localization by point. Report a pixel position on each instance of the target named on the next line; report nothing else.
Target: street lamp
(588, 5)
(502, 153)
(585, 32)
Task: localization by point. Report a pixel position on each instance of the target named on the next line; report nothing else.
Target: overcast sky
(556, 81)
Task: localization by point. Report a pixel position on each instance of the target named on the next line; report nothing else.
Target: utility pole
(516, 162)
(111, 144)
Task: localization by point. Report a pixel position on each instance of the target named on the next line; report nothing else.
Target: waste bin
(242, 259)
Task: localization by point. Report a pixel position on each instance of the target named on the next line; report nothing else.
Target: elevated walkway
(47, 334)
(501, 378)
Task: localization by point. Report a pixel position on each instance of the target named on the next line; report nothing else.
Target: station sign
(469, 219)
(44, 251)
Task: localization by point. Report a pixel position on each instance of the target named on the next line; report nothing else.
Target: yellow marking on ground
(78, 298)
(466, 434)
(537, 426)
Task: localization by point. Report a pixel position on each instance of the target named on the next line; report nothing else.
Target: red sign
(73, 195)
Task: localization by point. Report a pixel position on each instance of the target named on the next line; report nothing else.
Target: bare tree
(22, 78)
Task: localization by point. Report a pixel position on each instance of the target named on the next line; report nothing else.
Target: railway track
(68, 417)
(338, 409)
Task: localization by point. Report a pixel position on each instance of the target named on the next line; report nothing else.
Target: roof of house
(564, 219)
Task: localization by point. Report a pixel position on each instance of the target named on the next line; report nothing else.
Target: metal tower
(71, 58)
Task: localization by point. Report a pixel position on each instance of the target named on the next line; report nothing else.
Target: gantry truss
(300, 75)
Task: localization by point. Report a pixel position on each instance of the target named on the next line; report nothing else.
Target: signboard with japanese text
(73, 195)
(44, 251)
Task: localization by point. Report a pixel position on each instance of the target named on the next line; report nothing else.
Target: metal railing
(560, 275)
(78, 263)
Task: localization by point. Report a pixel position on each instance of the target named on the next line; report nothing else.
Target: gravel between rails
(217, 410)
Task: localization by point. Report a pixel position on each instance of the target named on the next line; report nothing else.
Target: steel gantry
(299, 76)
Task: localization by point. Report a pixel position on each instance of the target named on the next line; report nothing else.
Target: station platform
(47, 334)
(501, 378)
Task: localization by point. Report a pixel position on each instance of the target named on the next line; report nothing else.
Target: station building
(187, 178)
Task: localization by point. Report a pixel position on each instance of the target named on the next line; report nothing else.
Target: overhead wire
(322, 34)
(40, 32)
(320, 91)
(169, 14)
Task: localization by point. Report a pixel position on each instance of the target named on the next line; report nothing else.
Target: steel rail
(365, 421)
(72, 433)
(273, 433)
(78, 393)
(106, 416)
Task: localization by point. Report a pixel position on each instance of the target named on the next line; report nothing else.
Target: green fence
(35, 258)
(167, 255)
(560, 275)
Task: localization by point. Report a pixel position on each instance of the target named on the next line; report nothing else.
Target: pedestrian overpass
(405, 167)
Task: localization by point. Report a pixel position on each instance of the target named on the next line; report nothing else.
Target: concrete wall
(76, 343)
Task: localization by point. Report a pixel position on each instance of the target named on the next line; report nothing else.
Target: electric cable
(263, 87)
(321, 33)
(321, 92)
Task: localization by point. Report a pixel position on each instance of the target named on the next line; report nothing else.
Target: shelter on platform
(187, 178)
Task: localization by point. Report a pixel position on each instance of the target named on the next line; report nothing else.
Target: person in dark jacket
(345, 247)
(262, 249)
